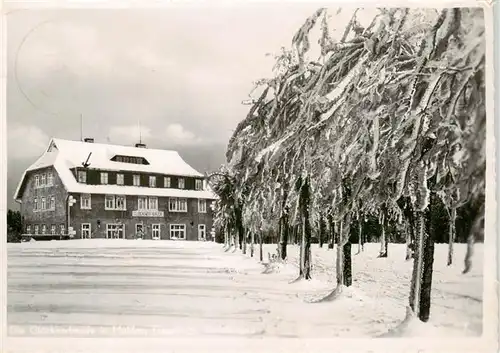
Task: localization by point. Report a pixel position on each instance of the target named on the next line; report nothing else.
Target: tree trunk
(416, 279)
(451, 239)
(347, 267)
(383, 240)
(408, 243)
(331, 232)
(362, 236)
(284, 237)
(425, 294)
(322, 231)
(226, 237)
(240, 229)
(252, 243)
(245, 244)
(261, 250)
(340, 261)
(360, 231)
(475, 230)
(236, 241)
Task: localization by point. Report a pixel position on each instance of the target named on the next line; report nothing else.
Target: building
(90, 190)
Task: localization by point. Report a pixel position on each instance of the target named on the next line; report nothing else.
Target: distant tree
(14, 226)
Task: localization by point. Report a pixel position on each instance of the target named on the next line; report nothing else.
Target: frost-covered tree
(388, 122)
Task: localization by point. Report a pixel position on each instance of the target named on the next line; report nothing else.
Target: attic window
(130, 159)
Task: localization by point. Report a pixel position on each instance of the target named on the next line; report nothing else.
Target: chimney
(88, 140)
(140, 145)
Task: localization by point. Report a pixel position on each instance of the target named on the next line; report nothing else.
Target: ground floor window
(115, 231)
(202, 232)
(139, 230)
(156, 231)
(178, 231)
(85, 230)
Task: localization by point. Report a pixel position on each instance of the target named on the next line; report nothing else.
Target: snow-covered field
(178, 289)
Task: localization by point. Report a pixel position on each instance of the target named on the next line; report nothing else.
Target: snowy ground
(178, 289)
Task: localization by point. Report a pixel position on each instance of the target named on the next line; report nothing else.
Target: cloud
(25, 141)
(177, 134)
(128, 134)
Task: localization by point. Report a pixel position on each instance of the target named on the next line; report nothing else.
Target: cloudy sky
(182, 72)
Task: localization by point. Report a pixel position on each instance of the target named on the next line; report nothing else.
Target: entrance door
(202, 232)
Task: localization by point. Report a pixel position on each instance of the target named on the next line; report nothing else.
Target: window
(139, 230)
(44, 229)
(153, 203)
(199, 184)
(53, 229)
(137, 180)
(85, 230)
(52, 204)
(178, 231)
(35, 204)
(177, 205)
(104, 178)
(202, 232)
(82, 176)
(181, 183)
(85, 202)
(37, 181)
(42, 204)
(145, 203)
(142, 203)
(28, 229)
(166, 182)
(112, 202)
(63, 229)
(36, 228)
(114, 231)
(120, 179)
(152, 181)
(120, 203)
(109, 202)
(156, 231)
(202, 206)
(43, 180)
(50, 179)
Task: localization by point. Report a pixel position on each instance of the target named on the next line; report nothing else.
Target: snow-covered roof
(64, 155)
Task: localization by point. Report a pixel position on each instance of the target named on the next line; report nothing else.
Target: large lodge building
(82, 189)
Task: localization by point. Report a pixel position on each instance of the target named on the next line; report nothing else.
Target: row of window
(115, 230)
(44, 203)
(120, 180)
(42, 229)
(44, 180)
(119, 202)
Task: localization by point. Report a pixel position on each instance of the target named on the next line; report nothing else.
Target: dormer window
(152, 181)
(82, 176)
(137, 180)
(104, 178)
